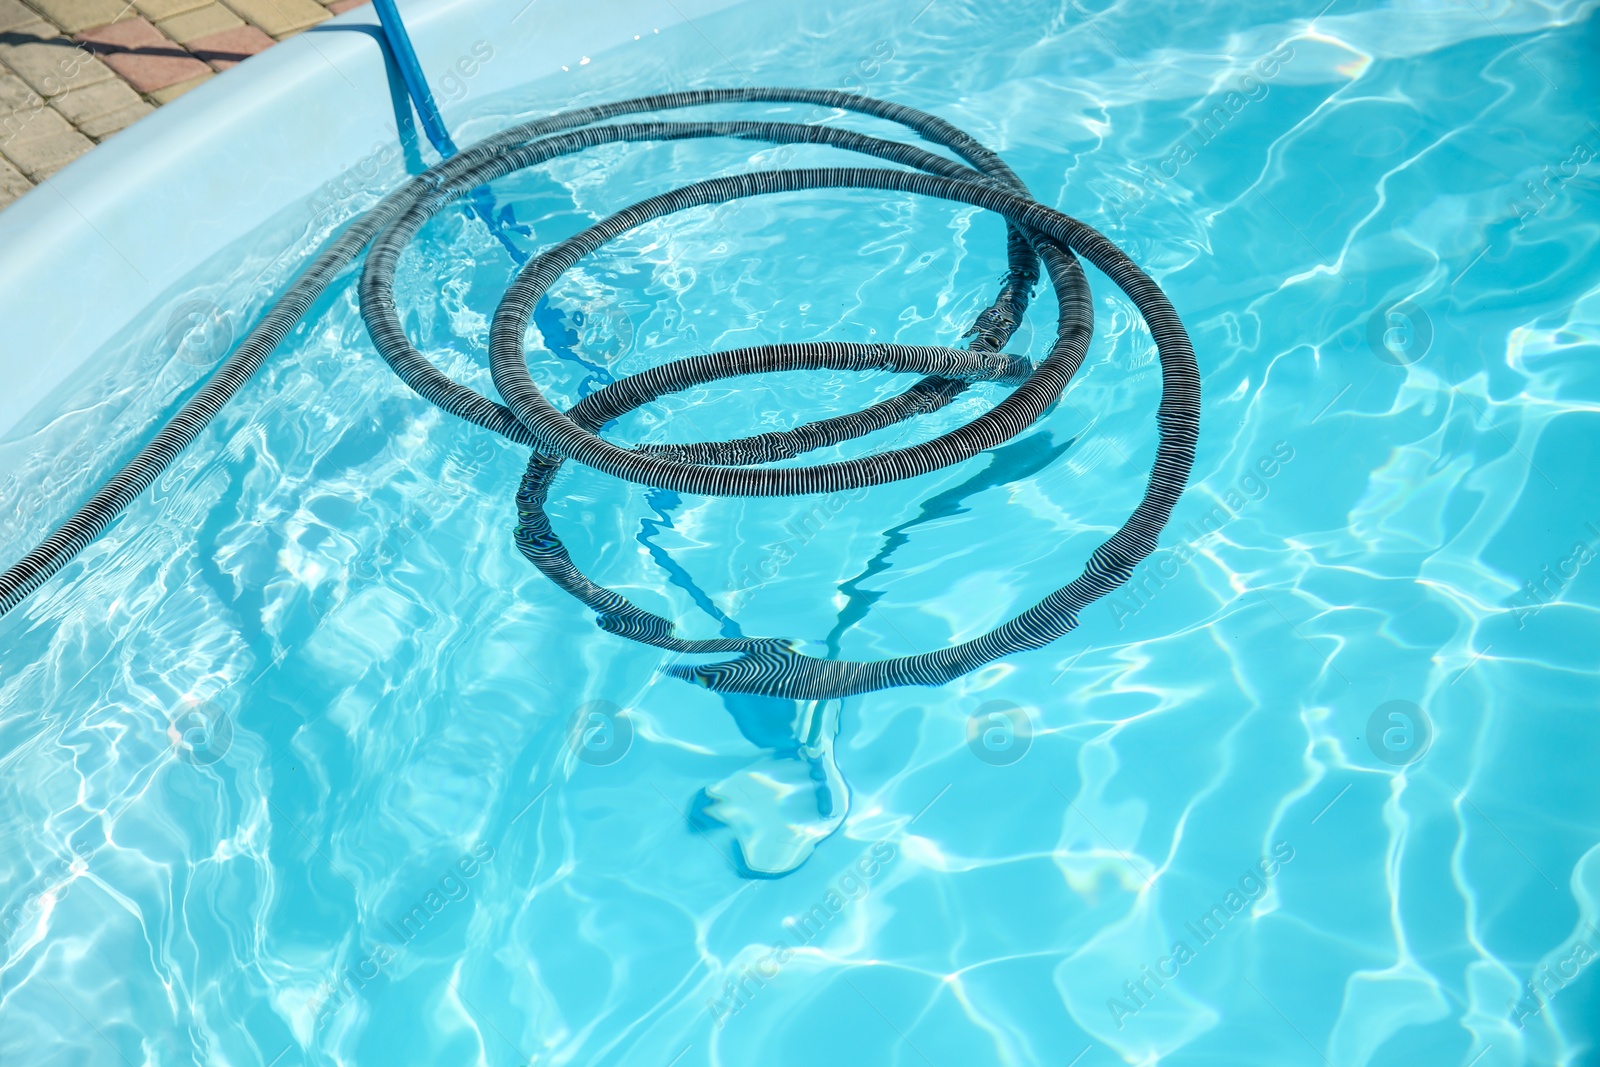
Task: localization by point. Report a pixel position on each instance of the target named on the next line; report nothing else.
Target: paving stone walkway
(74, 72)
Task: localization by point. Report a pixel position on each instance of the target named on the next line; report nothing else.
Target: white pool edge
(84, 253)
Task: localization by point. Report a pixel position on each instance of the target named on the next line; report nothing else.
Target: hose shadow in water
(800, 733)
(1010, 463)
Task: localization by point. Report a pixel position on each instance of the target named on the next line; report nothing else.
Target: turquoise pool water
(303, 763)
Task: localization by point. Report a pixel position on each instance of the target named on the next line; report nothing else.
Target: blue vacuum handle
(394, 31)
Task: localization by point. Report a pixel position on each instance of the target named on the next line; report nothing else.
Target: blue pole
(411, 71)
(405, 57)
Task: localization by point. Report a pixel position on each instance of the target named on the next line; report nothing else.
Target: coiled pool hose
(767, 666)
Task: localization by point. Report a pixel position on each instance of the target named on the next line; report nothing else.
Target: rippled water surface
(289, 775)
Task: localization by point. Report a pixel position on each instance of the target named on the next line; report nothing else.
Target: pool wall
(84, 252)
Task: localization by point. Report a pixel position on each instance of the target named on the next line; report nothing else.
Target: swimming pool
(1310, 789)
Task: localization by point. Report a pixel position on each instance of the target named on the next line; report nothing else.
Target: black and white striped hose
(768, 666)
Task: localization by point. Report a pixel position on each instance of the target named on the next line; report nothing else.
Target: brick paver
(14, 121)
(280, 17)
(72, 16)
(101, 109)
(44, 144)
(204, 21)
(146, 58)
(59, 96)
(13, 14)
(12, 183)
(15, 94)
(49, 62)
(156, 10)
(172, 92)
(230, 47)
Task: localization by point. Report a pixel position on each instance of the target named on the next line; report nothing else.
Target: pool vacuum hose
(767, 666)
